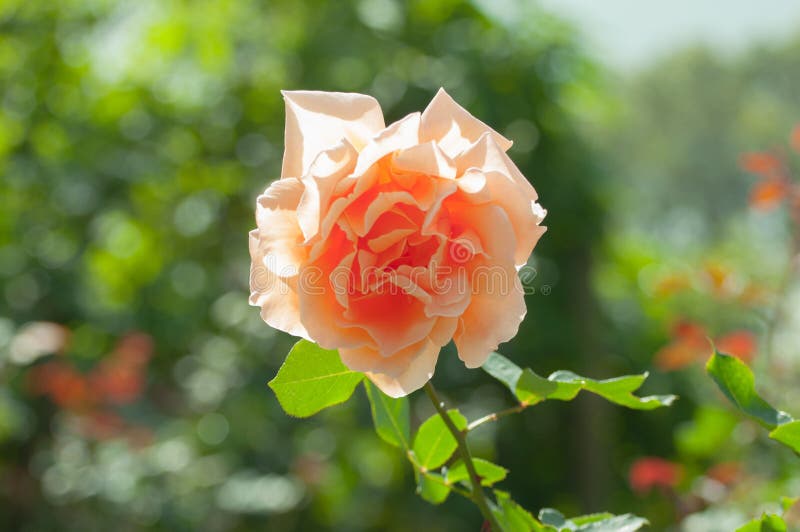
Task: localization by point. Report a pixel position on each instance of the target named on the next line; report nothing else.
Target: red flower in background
(741, 344)
(65, 386)
(761, 163)
(117, 379)
(691, 343)
(651, 472)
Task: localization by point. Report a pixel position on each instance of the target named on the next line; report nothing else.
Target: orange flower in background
(691, 343)
(768, 194)
(762, 163)
(651, 472)
(794, 140)
(741, 344)
(387, 242)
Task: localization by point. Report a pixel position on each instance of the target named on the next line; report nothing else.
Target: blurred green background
(134, 138)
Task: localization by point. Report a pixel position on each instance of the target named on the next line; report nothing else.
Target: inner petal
(393, 318)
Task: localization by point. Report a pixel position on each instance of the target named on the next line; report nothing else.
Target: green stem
(494, 416)
(478, 495)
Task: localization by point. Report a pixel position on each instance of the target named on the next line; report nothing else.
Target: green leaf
(600, 522)
(617, 523)
(514, 518)
(552, 517)
(390, 416)
(503, 370)
(434, 444)
(788, 434)
(432, 487)
(489, 472)
(565, 385)
(788, 502)
(312, 378)
(591, 518)
(530, 388)
(767, 523)
(736, 381)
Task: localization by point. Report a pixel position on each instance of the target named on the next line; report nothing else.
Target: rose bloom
(387, 242)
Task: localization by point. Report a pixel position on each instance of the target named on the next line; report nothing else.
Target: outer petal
(416, 372)
(279, 235)
(453, 127)
(316, 121)
(400, 135)
(426, 159)
(493, 317)
(503, 184)
(277, 296)
(487, 155)
(327, 171)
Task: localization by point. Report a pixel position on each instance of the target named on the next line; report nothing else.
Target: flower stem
(477, 494)
(494, 416)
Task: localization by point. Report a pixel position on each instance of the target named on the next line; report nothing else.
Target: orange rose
(387, 242)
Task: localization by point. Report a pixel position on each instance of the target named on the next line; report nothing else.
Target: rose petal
(277, 296)
(426, 159)
(416, 374)
(492, 317)
(317, 121)
(327, 170)
(453, 127)
(402, 134)
(279, 233)
(393, 318)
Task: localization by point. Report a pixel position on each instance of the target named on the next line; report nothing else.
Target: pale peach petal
(486, 156)
(367, 358)
(414, 375)
(317, 121)
(505, 185)
(277, 296)
(473, 184)
(279, 233)
(453, 127)
(525, 215)
(426, 159)
(443, 331)
(327, 170)
(492, 226)
(492, 317)
(402, 134)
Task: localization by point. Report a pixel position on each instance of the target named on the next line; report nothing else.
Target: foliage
(736, 381)
(313, 378)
